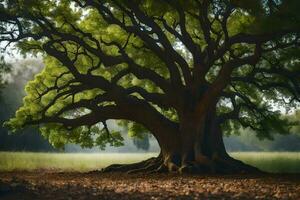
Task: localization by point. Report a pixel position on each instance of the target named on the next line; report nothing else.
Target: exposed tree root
(147, 166)
(128, 167)
(229, 165)
(225, 165)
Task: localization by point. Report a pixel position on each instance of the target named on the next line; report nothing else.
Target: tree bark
(196, 147)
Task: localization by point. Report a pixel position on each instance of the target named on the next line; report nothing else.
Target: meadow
(278, 162)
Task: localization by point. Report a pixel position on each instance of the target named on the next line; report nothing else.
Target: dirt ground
(55, 185)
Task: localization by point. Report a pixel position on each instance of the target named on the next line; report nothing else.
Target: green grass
(11, 161)
(277, 162)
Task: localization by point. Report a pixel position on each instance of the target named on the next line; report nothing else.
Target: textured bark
(195, 147)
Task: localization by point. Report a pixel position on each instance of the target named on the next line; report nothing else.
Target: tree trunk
(201, 148)
(197, 147)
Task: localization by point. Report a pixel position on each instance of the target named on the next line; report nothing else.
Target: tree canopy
(155, 63)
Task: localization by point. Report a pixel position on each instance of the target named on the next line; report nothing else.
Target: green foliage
(86, 137)
(114, 139)
(294, 119)
(136, 130)
(82, 41)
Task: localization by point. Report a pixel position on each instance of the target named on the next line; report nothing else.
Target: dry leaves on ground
(54, 185)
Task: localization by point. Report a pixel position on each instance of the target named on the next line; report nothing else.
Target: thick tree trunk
(197, 147)
(201, 148)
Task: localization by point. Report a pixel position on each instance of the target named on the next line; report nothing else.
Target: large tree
(185, 70)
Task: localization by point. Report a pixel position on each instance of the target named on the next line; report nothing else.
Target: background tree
(15, 76)
(4, 68)
(186, 71)
(142, 143)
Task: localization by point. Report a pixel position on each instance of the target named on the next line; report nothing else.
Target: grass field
(11, 161)
(277, 162)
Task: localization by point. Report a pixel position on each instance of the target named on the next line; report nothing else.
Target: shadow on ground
(54, 185)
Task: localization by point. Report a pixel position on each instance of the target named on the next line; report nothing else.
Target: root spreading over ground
(227, 165)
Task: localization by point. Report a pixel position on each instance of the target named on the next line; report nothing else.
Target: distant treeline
(10, 99)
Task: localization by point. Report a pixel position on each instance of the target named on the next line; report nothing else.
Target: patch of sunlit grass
(12, 161)
(279, 162)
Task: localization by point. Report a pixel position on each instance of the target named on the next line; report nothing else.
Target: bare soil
(55, 185)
